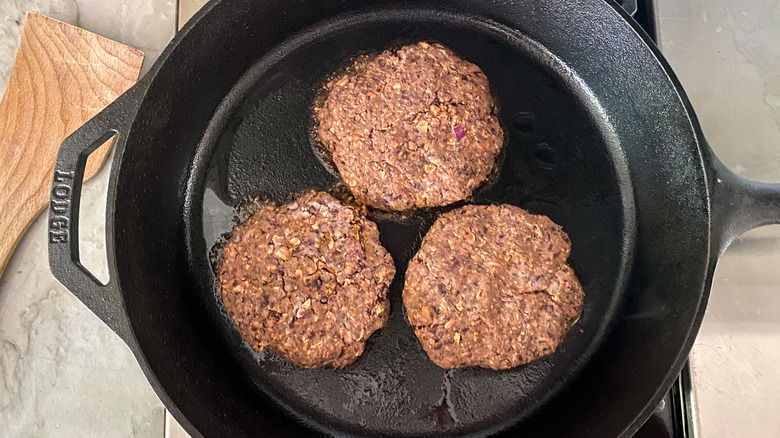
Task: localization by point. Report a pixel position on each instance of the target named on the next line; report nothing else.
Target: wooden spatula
(62, 76)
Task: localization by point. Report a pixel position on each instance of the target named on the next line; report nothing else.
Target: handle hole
(92, 214)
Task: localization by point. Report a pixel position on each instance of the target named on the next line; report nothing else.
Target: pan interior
(559, 159)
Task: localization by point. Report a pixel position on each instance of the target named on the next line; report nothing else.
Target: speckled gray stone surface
(63, 373)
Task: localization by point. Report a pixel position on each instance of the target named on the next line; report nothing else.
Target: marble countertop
(65, 374)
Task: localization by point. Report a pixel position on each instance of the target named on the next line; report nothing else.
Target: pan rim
(700, 146)
(705, 157)
(368, 17)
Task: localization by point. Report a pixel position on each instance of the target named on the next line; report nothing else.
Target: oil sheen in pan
(265, 150)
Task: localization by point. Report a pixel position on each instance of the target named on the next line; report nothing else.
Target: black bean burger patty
(308, 280)
(490, 287)
(413, 127)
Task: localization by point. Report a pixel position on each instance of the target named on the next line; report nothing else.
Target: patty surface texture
(410, 128)
(308, 280)
(491, 287)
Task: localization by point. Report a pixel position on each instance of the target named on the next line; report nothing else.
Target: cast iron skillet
(600, 137)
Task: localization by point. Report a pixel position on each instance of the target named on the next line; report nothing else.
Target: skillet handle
(104, 300)
(739, 204)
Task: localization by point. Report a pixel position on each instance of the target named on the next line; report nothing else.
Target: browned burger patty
(308, 280)
(490, 287)
(413, 127)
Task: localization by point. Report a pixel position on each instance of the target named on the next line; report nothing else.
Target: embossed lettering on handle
(61, 198)
(104, 299)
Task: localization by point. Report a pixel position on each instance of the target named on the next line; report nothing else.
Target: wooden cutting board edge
(56, 65)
